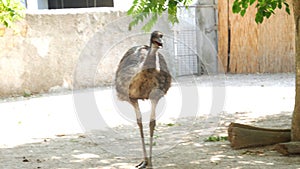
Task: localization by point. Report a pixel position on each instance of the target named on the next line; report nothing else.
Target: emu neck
(151, 59)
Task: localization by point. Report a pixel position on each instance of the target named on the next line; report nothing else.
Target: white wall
(66, 48)
(43, 4)
(37, 4)
(122, 4)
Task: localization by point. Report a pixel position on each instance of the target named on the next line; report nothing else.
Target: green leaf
(273, 5)
(251, 2)
(130, 11)
(170, 124)
(187, 2)
(4, 2)
(268, 14)
(243, 12)
(279, 5)
(259, 18)
(236, 6)
(147, 27)
(216, 138)
(10, 11)
(236, 9)
(142, 9)
(137, 18)
(286, 4)
(287, 9)
(245, 4)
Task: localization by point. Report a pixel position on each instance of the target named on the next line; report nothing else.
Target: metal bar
(186, 55)
(212, 28)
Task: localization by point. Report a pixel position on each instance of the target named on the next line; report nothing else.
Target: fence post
(206, 19)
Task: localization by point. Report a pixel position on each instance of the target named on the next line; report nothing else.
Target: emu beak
(160, 42)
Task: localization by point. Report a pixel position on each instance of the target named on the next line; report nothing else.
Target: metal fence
(185, 43)
(192, 49)
(187, 62)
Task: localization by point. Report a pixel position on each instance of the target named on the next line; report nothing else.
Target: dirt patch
(264, 100)
(177, 145)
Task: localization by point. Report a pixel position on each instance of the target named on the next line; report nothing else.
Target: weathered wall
(65, 48)
(207, 36)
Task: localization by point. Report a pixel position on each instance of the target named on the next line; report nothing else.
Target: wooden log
(244, 136)
(290, 148)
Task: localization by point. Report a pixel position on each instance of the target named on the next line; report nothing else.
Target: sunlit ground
(24, 120)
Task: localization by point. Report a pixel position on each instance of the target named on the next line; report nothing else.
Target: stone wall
(54, 49)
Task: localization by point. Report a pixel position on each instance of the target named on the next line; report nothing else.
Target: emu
(143, 74)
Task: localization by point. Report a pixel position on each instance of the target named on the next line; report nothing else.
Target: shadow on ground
(186, 148)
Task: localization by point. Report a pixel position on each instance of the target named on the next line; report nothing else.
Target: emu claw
(143, 164)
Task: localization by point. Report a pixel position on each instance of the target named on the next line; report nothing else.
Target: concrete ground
(92, 129)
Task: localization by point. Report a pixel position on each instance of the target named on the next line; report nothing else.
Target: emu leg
(152, 127)
(144, 163)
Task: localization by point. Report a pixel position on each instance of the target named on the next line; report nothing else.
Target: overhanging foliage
(153, 9)
(265, 8)
(10, 11)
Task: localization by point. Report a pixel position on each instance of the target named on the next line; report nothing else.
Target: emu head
(156, 39)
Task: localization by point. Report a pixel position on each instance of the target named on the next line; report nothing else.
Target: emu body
(143, 74)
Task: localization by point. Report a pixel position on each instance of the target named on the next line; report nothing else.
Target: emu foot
(143, 164)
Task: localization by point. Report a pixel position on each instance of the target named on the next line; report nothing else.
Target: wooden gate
(247, 47)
